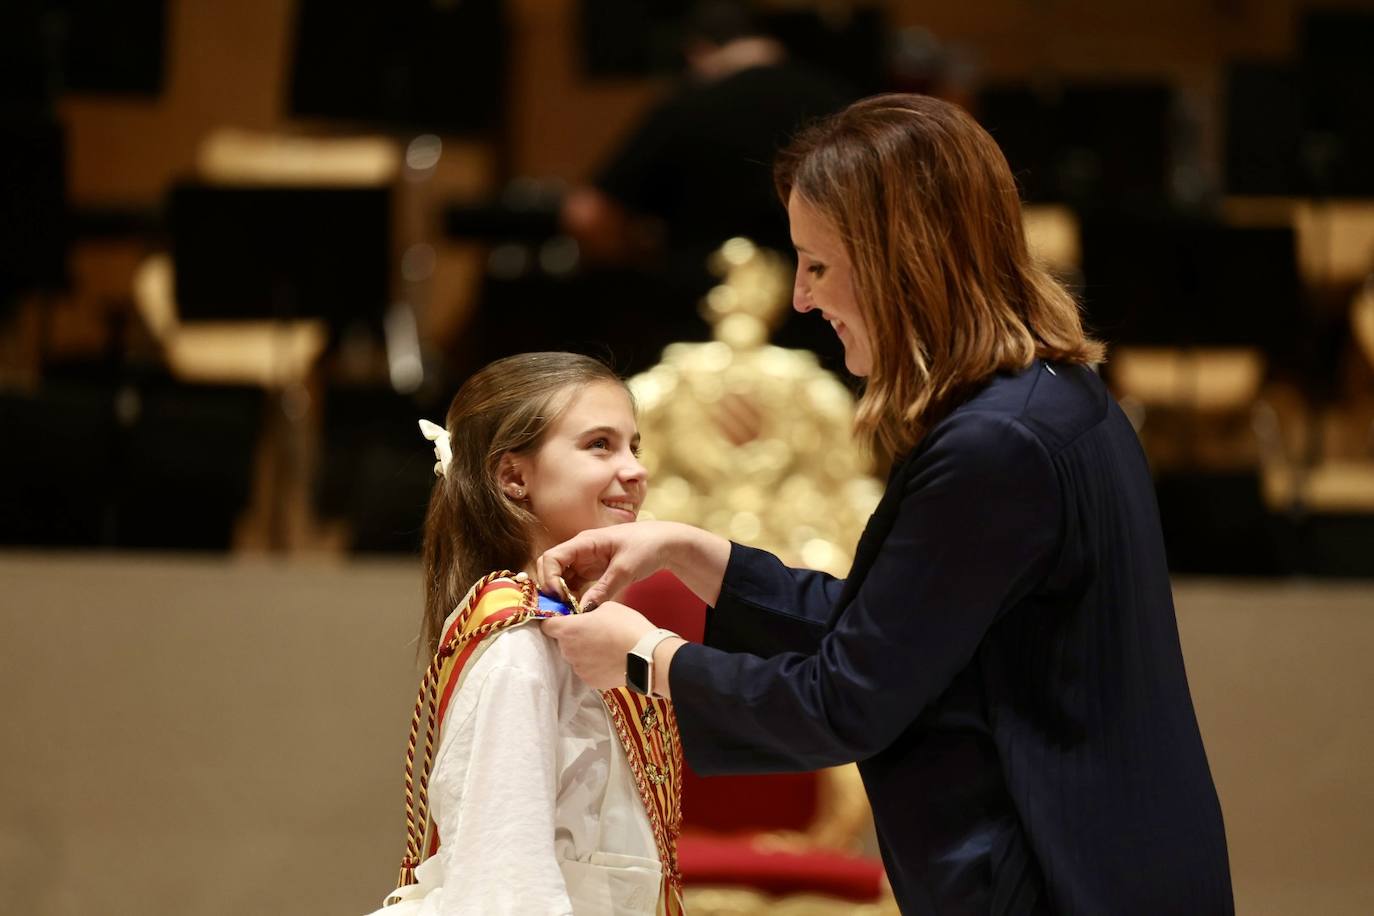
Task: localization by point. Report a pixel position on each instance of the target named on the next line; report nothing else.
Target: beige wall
(1282, 682)
(203, 737)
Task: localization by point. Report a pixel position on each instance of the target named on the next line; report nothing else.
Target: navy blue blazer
(1002, 660)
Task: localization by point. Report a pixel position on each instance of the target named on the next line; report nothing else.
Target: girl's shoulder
(492, 600)
(490, 629)
(502, 594)
(503, 608)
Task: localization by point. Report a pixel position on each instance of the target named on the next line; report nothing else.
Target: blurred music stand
(1305, 127)
(408, 64)
(1091, 145)
(1199, 313)
(1174, 282)
(282, 253)
(271, 273)
(1338, 98)
(33, 229)
(117, 49)
(1264, 147)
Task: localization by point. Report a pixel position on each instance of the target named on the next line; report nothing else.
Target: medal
(551, 605)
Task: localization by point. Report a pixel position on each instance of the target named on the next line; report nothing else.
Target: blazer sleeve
(977, 528)
(766, 607)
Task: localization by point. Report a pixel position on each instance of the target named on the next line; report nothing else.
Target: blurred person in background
(697, 171)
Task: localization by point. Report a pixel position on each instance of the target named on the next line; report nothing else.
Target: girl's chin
(604, 517)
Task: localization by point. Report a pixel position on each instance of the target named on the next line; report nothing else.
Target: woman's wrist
(699, 559)
(663, 660)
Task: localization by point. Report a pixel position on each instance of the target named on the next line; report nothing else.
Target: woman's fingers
(609, 558)
(605, 588)
(574, 561)
(595, 555)
(549, 567)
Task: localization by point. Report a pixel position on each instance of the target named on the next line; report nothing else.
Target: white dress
(535, 804)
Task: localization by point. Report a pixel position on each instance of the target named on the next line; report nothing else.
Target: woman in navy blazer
(1002, 659)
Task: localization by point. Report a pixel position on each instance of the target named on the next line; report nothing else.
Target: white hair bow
(443, 448)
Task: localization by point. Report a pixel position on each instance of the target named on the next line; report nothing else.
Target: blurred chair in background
(1314, 419)
(1331, 499)
(1201, 315)
(280, 247)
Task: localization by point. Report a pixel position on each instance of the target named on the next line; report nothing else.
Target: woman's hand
(596, 643)
(606, 560)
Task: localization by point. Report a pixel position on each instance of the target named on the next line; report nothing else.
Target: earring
(518, 493)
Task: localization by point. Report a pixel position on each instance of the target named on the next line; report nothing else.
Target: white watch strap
(649, 642)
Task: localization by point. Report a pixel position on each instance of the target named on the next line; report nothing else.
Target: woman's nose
(801, 296)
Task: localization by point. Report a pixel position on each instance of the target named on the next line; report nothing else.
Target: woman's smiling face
(586, 474)
(825, 281)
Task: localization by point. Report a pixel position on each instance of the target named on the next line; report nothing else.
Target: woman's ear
(510, 476)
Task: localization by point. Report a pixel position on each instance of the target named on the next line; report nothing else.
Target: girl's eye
(816, 270)
(601, 443)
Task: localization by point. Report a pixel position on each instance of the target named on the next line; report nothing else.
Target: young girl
(537, 795)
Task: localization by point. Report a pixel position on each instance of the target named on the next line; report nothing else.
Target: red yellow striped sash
(647, 730)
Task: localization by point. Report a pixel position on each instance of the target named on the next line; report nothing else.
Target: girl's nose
(634, 471)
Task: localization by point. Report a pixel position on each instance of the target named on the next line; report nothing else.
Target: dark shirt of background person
(697, 170)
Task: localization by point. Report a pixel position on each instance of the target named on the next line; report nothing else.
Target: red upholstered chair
(756, 843)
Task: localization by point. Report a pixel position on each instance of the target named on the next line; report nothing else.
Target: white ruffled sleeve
(493, 792)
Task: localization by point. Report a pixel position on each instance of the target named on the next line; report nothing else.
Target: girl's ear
(510, 476)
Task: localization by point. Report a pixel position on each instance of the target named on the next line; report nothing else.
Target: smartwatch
(639, 662)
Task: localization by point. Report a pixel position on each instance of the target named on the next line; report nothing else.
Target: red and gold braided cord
(419, 827)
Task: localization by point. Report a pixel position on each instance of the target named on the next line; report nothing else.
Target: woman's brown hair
(931, 221)
(471, 527)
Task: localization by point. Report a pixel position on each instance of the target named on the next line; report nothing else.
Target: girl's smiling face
(586, 473)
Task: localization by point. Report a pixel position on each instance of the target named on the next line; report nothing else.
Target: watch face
(637, 674)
